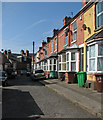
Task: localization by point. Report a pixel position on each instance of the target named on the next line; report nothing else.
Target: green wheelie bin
(81, 76)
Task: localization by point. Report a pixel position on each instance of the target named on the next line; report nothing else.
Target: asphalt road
(24, 98)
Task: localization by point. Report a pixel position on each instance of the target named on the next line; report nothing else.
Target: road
(24, 98)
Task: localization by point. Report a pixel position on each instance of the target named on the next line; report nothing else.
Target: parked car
(11, 73)
(3, 78)
(38, 74)
(23, 72)
(28, 73)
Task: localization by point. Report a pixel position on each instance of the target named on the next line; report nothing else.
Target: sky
(25, 22)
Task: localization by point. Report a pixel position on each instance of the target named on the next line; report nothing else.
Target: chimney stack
(43, 43)
(22, 52)
(66, 20)
(27, 53)
(40, 48)
(5, 52)
(9, 54)
(55, 31)
(48, 39)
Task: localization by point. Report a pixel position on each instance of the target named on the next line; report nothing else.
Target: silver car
(3, 78)
(38, 74)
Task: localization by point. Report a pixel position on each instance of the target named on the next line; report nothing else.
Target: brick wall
(61, 40)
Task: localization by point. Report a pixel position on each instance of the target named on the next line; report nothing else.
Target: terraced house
(77, 46)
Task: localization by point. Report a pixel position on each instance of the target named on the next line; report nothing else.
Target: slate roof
(95, 36)
(72, 47)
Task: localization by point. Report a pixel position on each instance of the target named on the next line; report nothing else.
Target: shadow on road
(23, 81)
(18, 104)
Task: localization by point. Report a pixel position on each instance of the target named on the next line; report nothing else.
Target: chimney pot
(22, 52)
(43, 43)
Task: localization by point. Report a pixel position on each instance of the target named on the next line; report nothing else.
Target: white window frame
(55, 43)
(45, 66)
(71, 61)
(97, 15)
(96, 58)
(52, 64)
(68, 61)
(62, 63)
(66, 37)
(74, 31)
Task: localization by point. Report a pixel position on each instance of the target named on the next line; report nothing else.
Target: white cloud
(27, 28)
(35, 23)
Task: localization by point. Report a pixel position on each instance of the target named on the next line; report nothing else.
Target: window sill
(62, 71)
(93, 72)
(98, 29)
(73, 41)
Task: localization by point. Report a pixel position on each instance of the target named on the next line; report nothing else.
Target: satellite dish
(84, 27)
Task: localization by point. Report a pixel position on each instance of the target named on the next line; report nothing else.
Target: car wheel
(3, 84)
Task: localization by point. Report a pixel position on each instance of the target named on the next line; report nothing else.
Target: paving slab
(89, 100)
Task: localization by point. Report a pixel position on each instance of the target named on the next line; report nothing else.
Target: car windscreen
(39, 71)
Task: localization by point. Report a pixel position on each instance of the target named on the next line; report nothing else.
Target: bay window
(45, 65)
(100, 57)
(50, 65)
(95, 57)
(68, 61)
(62, 62)
(72, 61)
(99, 14)
(92, 58)
(53, 64)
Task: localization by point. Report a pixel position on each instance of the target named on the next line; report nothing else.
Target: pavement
(88, 99)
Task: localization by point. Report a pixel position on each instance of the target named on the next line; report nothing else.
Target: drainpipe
(57, 57)
(33, 55)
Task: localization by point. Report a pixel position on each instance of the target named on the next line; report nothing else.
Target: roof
(72, 47)
(96, 36)
(51, 56)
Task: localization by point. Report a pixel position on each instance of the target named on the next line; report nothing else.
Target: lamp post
(33, 54)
